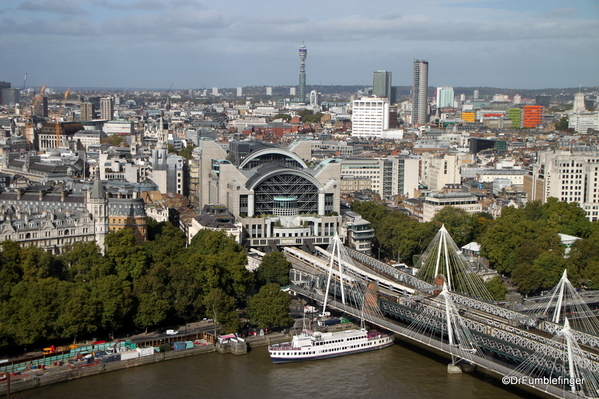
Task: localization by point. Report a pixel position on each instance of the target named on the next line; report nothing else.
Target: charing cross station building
(277, 197)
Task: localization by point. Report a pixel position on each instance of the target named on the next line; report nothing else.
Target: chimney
(19, 193)
(41, 194)
(63, 195)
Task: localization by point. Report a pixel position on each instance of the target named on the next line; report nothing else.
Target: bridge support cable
(441, 321)
(564, 301)
(443, 258)
(564, 366)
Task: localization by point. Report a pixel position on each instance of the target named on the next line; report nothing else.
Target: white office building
(581, 122)
(370, 117)
(389, 176)
(568, 176)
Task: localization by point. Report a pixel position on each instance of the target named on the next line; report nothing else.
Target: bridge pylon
(442, 322)
(564, 301)
(563, 365)
(443, 257)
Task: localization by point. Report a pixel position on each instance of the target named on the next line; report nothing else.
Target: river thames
(395, 372)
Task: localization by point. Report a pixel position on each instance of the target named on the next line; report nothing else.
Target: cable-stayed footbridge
(537, 350)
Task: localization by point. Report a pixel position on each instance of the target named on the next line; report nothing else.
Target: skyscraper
(444, 97)
(303, 53)
(87, 111)
(579, 103)
(381, 84)
(107, 108)
(419, 91)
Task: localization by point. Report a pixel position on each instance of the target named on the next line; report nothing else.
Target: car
(172, 332)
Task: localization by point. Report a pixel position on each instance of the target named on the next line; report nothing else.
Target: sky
(189, 44)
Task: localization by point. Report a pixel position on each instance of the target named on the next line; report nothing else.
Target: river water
(396, 372)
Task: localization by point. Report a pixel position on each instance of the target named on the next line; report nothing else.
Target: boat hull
(288, 359)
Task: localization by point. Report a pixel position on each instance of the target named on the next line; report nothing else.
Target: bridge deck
(496, 329)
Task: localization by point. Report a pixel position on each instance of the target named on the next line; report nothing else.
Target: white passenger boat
(312, 345)
(315, 345)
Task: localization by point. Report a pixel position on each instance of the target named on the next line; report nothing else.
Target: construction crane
(59, 115)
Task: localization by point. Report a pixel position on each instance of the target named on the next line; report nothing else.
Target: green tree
(10, 271)
(113, 301)
(497, 288)
(84, 262)
(551, 265)
(117, 139)
(459, 223)
(285, 117)
(77, 311)
(33, 309)
(269, 308)
(151, 296)
(185, 294)
(167, 245)
(39, 264)
(274, 268)
(562, 125)
(221, 308)
(129, 258)
(187, 152)
(566, 218)
(528, 279)
(217, 261)
(504, 240)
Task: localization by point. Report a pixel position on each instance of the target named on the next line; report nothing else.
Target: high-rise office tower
(87, 111)
(269, 91)
(419, 91)
(444, 97)
(41, 108)
(578, 103)
(381, 84)
(107, 108)
(239, 92)
(303, 53)
(215, 91)
(314, 98)
(292, 91)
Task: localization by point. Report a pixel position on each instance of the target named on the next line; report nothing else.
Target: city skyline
(153, 43)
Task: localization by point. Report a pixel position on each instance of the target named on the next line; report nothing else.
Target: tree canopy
(274, 268)
(84, 293)
(269, 308)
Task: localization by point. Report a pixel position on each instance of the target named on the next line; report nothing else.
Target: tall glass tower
(419, 91)
(303, 53)
(381, 84)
